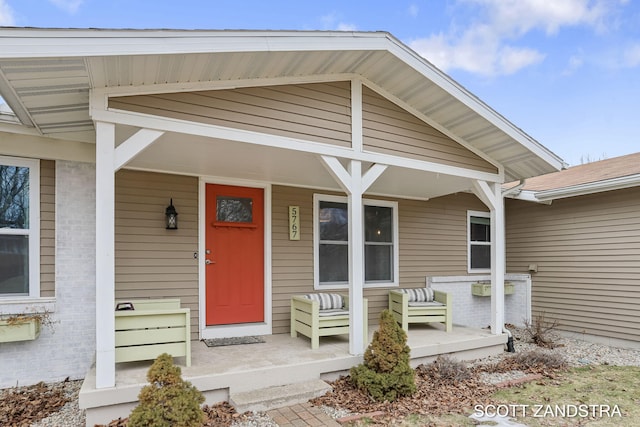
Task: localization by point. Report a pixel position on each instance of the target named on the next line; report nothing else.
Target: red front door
(234, 254)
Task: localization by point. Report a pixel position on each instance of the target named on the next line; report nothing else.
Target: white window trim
(481, 215)
(34, 225)
(317, 198)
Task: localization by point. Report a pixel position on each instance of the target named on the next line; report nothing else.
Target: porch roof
(47, 75)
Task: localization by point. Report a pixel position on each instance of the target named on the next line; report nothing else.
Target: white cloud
(332, 21)
(70, 6)
(517, 17)
(486, 45)
(575, 62)
(478, 52)
(631, 56)
(6, 15)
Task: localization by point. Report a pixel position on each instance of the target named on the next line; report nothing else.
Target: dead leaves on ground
(22, 406)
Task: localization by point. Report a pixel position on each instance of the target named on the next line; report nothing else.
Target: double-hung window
(479, 243)
(331, 242)
(19, 227)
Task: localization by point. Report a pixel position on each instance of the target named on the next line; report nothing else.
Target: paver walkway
(301, 415)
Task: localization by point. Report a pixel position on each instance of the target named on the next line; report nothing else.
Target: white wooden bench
(151, 328)
(308, 320)
(437, 311)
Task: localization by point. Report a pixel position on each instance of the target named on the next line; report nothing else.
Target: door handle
(208, 261)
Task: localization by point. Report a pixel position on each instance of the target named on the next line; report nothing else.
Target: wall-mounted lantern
(171, 217)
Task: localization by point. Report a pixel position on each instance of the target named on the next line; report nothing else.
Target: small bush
(537, 359)
(539, 331)
(168, 400)
(385, 373)
(445, 369)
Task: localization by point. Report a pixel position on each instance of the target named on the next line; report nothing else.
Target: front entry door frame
(243, 329)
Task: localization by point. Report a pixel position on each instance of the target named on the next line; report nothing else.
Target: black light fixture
(172, 217)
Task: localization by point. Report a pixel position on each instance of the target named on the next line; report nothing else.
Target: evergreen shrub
(386, 373)
(168, 400)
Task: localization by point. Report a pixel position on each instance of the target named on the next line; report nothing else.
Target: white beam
(484, 193)
(491, 195)
(338, 172)
(105, 249)
(498, 260)
(307, 146)
(356, 115)
(133, 146)
(372, 175)
(356, 260)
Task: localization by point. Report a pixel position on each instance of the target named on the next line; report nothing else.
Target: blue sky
(567, 72)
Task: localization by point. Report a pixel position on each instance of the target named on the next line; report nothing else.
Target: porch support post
(491, 195)
(356, 260)
(355, 184)
(105, 249)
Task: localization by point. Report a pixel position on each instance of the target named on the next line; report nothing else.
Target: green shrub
(168, 400)
(385, 373)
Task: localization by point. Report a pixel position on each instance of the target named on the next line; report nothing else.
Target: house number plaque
(294, 222)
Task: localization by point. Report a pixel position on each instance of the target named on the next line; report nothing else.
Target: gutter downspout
(510, 347)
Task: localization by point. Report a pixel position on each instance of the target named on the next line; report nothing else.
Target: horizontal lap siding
(389, 129)
(318, 112)
(152, 262)
(292, 260)
(47, 227)
(588, 254)
(432, 239)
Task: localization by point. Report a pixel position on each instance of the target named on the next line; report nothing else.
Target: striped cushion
(426, 304)
(419, 294)
(327, 301)
(336, 312)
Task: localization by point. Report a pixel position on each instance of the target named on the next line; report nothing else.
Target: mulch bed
(23, 406)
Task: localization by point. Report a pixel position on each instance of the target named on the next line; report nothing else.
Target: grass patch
(591, 385)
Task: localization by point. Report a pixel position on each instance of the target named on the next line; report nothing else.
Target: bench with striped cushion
(421, 305)
(322, 314)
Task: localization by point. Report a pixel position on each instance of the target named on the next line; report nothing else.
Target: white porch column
(355, 184)
(356, 260)
(105, 250)
(491, 195)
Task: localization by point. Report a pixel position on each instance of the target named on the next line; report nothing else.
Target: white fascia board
(142, 120)
(589, 188)
(461, 94)
(29, 43)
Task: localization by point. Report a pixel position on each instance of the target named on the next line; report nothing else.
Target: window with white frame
(479, 238)
(331, 242)
(19, 227)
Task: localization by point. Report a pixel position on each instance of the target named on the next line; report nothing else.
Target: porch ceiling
(46, 77)
(185, 154)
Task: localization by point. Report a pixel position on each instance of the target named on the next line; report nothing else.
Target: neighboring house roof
(46, 77)
(604, 175)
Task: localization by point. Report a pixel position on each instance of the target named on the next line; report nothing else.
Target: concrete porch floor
(281, 360)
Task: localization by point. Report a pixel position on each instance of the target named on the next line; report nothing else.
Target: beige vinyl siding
(47, 228)
(319, 112)
(389, 129)
(152, 262)
(432, 239)
(587, 250)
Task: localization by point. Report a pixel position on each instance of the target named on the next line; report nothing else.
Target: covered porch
(221, 372)
(360, 116)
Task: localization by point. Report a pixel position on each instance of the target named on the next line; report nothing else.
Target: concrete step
(278, 396)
